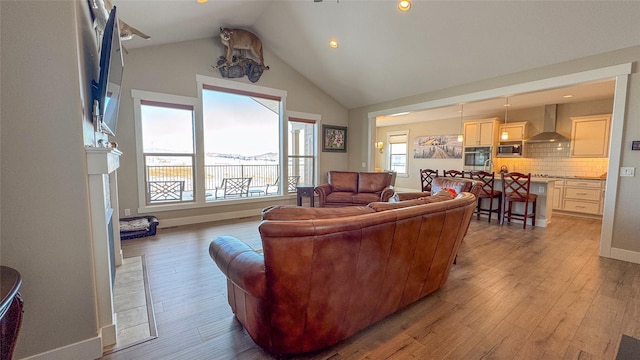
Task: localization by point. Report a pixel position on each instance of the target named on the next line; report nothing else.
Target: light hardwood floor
(539, 293)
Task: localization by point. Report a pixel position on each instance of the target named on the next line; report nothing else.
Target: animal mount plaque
(234, 66)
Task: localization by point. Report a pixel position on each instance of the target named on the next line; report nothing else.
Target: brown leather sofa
(348, 188)
(441, 182)
(323, 276)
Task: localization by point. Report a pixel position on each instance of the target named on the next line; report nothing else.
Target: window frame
(389, 135)
(140, 96)
(217, 84)
(308, 118)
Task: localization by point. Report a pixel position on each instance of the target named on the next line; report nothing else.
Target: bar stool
(486, 180)
(453, 173)
(515, 187)
(426, 177)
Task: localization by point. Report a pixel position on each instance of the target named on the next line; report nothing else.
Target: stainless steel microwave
(510, 149)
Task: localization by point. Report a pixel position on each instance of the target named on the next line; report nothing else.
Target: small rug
(629, 348)
(135, 319)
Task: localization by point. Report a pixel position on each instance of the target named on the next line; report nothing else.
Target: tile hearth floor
(132, 305)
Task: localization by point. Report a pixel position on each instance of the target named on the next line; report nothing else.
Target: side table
(10, 310)
(305, 190)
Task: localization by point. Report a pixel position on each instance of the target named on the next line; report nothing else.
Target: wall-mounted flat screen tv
(106, 91)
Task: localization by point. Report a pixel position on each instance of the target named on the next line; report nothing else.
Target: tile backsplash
(553, 159)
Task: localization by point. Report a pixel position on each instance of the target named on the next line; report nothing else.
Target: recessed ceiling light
(202, 1)
(568, 96)
(404, 5)
(333, 43)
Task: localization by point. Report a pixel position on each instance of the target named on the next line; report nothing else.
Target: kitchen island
(543, 187)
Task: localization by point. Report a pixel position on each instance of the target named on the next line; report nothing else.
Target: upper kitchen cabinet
(517, 131)
(483, 132)
(590, 136)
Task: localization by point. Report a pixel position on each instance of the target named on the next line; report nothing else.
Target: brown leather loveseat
(348, 188)
(326, 274)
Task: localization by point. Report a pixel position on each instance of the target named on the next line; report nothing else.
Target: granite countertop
(539, 179)
(548, 179)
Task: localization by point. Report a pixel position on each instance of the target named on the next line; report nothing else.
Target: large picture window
(241, 143)
(230, 144)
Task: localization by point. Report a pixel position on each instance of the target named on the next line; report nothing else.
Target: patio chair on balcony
(234, 187)
(292, 184)
(165, 190)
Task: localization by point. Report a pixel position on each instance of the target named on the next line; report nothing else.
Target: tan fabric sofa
(347, 188)
(322, 278)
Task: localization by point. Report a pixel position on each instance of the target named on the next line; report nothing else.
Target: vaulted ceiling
(385, 54)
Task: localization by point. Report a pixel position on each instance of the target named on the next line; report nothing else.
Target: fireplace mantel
(102, 160)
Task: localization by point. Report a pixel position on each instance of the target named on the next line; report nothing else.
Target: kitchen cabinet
(517, 131)
(558, 193)
(583, 196)
(482, 132)
(590, 136)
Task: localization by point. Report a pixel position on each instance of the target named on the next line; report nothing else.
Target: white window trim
(197, 104)
(317, 118)
(388, 156)
(138, 96)
(234, 85)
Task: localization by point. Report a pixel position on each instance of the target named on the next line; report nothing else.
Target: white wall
(45, 214)
(172, 69)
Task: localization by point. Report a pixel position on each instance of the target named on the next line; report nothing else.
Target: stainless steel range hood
(548, 133)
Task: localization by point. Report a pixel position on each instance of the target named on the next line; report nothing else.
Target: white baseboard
(83, 350)
(108, 334)
(209, 217)
(625, 255)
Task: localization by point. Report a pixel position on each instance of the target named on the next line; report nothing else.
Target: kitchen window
(398, 158)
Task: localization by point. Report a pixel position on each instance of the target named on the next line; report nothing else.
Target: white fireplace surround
(102, 163)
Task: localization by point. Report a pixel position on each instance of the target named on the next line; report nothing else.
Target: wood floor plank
(503, 342)
(537, 293)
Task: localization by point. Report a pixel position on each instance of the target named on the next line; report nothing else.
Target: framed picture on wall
(437, 147)
(334, 138)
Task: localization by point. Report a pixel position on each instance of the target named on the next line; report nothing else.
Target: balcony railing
(261, 176)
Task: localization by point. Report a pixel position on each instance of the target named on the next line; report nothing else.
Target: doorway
(618, 73)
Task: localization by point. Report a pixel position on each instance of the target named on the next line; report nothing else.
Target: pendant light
(505, 133)
(460, 134)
